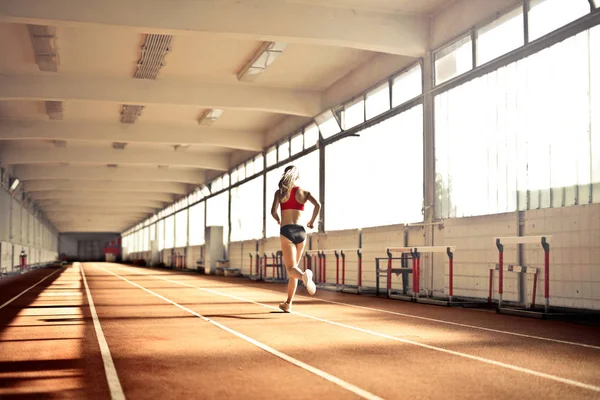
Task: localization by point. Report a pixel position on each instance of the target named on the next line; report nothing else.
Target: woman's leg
(289, 258)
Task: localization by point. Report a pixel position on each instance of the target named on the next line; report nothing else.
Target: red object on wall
(23, 259)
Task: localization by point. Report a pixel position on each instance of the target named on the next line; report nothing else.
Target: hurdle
(405, 255)
(351, 288)
(544, 241)
(278, 273)
(255, 260)
(517, 269)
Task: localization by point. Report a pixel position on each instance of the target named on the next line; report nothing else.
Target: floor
(109, 331)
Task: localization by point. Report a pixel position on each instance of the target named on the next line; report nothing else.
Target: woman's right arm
(275, 206)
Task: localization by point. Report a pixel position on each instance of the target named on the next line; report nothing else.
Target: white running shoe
(308, 282)
(285, 307)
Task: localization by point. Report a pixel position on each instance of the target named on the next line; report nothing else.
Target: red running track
(149, 334)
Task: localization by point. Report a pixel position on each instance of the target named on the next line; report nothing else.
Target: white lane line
(114, 385)
(383, 335)
(345, 385)
(441, 321)
(27, 290)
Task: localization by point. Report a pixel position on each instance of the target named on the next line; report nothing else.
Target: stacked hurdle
(316, 260)
(544, 241)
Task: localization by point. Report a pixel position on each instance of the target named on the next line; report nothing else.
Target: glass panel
(546, 16)
(311, 136)
(271, 156)
(153, 232)
(283, 153)
(258, 163)
(160, 226)
(308, 167)
(353, 114)
(216, 185)
(234, 177)
(197, 224)
(170, 232)
(297, 143)
(501, 36)
(249, 168)
(454, 60)
(241, 173)
(247, 210)
(327, 124)
(225, 179)
(407, 86)
(378, 147)
(595, 110)
(217, 213)
(378, 101)
(181, 221)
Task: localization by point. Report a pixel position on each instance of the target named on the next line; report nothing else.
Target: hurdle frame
(544, 241)
(344, 287)
(520, 269)
(389, 270)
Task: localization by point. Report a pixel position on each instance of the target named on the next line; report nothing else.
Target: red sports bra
(292, 203)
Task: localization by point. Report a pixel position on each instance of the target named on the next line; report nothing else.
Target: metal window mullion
(473, 35)
(526, 22)
(264, 174)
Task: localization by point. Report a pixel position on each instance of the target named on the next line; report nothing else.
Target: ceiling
(67, 159)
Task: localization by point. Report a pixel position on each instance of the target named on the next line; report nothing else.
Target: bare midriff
(290, 217)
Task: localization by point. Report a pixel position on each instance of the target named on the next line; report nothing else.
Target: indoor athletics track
(102, 331)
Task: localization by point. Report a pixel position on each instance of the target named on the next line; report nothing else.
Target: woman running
(291, 199)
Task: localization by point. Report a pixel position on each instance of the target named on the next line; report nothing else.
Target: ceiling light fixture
(208, 117)
(263, 58)
(14, 185)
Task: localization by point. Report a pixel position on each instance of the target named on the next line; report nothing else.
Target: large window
(390, 190)
(181, 228)
(519, 137)
(217, 213)
(308, 167)
(247, 210)
(407, 85)
(160, 234)
(197, 224)
(454, 60)
(170, 232)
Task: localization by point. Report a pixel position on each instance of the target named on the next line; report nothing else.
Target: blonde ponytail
(288, 179)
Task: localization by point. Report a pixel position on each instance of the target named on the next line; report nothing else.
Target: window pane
(153, 232)
(308, 167)
(197, 224)
(454, 60)
(398, 200)
(217, 213)
(271, 156)
(378, 100)
(297, 144)
(160, 233)
(181, 222)
(258, 163)
(170, 232)
(595, 110)
(283, 152)
(247, 210)
(225, 179)
(241, 173)
(509, 141)
(249, 168)
(216, 185)
(501, 36)
(353, 114)
(407, 86)
(234, 177)
(311, 136)
(327, 124)
(546, 16)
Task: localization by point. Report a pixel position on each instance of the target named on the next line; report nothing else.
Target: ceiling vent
(152, 59)
(111, 165)
(43, 39)
(119, 145)
(54, 109)
(60, 144)
(163, 166)
(181, 147)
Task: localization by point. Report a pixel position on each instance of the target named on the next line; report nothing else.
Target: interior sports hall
(296, 199)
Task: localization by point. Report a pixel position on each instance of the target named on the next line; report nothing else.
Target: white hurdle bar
(544, 241)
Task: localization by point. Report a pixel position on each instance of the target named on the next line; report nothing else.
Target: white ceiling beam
(124, 196)
(147, 92)
(125, 174)
(75, 214)
(130, 133)
(105, 186)
(102, 202)
(91, 155)
(70, 228)
(98, 209)
(268, 20)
